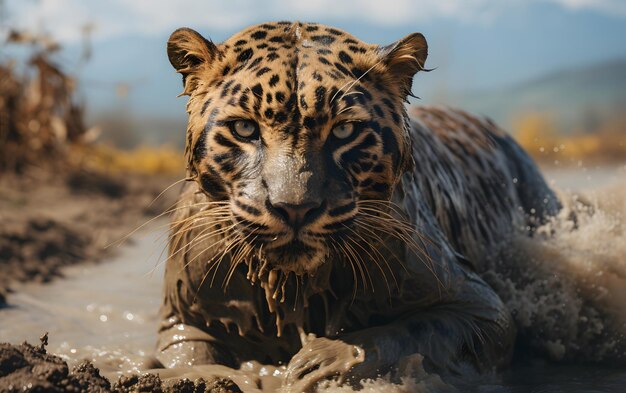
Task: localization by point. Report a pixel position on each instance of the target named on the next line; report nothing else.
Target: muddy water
(107, 312)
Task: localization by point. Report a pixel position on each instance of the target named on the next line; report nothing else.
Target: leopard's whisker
(369, 254)
(237, 237)
(204, 221)
(233, 240)
(168, 187)
(396, 222)
(354, 266)
(333, 244)
(351, 84)
(375, 207)
(197, 240)
(373, 231)
(125, 237)
(237, 258)
(406, 239)
(363, 266)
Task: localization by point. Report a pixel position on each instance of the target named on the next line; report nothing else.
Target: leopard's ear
(403, 59)
(190, 54)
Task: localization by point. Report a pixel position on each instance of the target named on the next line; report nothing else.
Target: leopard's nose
(297, 215)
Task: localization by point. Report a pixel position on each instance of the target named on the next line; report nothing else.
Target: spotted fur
(296, 81)
(419, 200)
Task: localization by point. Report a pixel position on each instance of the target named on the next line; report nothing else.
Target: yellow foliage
(163, 160)
(538, 134)
(535, 130)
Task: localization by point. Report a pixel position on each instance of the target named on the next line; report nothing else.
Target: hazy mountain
(576, 98)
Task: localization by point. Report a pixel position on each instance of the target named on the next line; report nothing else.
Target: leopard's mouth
(302, 249)
(294, 247)
(296, 256)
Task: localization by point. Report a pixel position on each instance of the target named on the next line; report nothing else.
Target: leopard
(321, 210)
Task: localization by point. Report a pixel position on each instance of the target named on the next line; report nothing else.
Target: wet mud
(51, 219)
(567, 298)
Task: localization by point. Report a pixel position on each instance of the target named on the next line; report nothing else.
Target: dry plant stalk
(39, 112)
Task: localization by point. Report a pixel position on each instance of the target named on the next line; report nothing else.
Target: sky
(474, 45)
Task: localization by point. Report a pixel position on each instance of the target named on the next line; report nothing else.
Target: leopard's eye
(246, 129)
(343, 131)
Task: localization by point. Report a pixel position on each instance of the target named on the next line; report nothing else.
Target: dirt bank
(28, 368)
(54, 218)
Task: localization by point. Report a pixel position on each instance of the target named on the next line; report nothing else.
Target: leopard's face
(297, 126)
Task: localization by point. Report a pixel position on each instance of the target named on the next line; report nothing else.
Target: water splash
(566, 286)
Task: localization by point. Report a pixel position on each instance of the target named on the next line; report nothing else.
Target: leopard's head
(299, 129)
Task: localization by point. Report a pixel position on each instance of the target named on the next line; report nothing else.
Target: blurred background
(552, 72)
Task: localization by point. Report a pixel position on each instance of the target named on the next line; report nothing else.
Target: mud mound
(85, 182)
(35, 249)
(26, 368)
(152, 383)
